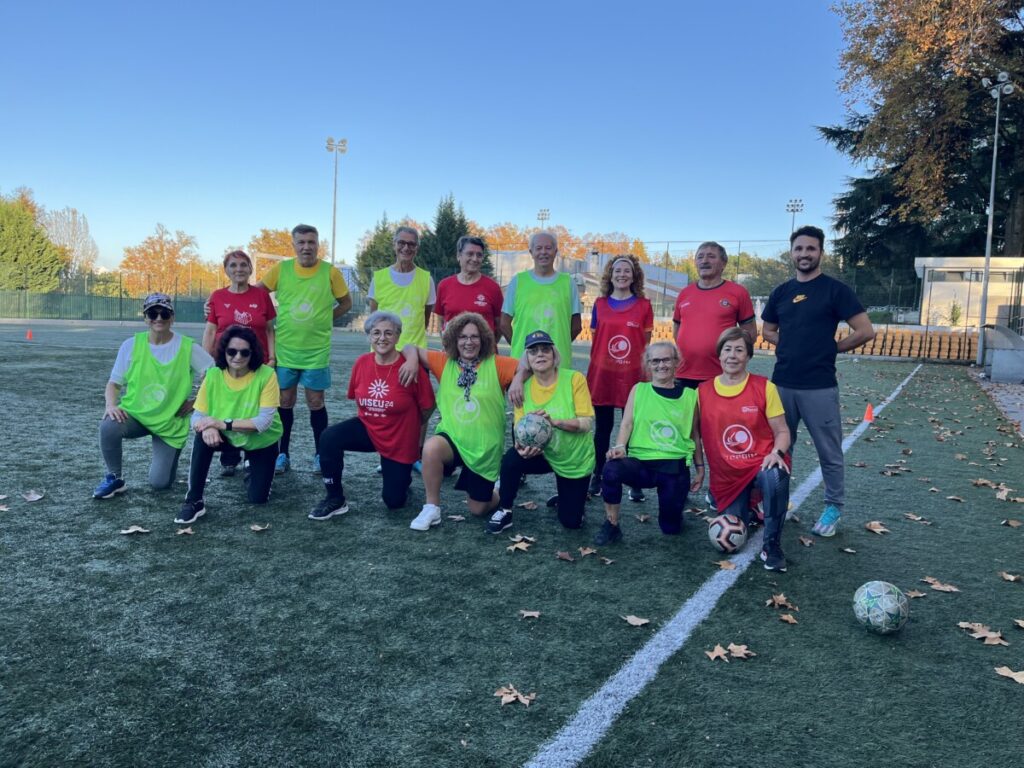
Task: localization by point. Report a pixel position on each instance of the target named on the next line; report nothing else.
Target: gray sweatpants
(163, 467)
(819, 410)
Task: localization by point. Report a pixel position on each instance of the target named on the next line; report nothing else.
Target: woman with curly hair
(471, 398)
(622, 322)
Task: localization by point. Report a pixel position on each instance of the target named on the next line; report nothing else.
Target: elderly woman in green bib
(155, 370)
(236, 408)
(658, 443)
(471, 397)
(561, 396)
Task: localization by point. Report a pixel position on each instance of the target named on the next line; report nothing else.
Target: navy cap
(537, 337)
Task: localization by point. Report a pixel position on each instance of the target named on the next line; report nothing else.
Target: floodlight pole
(338, 147)
(543, 215)
(794, 206)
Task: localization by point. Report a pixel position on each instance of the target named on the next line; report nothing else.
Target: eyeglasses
(232, 351)
(375, 334)
(469, 338)
(661, 361)
(536, 349)
(406, 245)
(164, 314)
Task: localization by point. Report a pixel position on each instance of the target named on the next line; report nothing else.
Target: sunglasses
(164, 314)
(232, 351)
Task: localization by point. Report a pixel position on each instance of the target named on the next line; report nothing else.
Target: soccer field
(357, 642)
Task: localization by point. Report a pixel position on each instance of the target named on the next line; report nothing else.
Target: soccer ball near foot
(727, 533)
(881, 607)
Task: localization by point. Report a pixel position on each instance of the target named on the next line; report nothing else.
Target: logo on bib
(466, 411)
(663, 433)
(737, 439)
(302, 311)
(153, 395)
(619, 347)
(406, 310)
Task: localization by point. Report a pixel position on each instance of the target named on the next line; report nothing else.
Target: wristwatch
(228, 424)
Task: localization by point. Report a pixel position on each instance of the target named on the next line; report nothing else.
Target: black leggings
(604, 420)
(351, 435)
(672, 488)
(774, 486)
(572, 491)
(261, 470)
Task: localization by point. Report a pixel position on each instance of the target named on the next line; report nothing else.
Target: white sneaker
(429, 516)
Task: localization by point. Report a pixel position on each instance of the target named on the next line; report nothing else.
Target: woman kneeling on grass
(659, 440)
(561, 396)
(389, 420)
(156, 369)
(746, 439)
(236, 410)
(471, 397)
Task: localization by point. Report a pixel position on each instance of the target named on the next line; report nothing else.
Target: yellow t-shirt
(580, 395)
(270, 396)
(338, 286)
(773, 404)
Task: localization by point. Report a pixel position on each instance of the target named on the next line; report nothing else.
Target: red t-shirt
(253, 309)
(617, 352)
(390, 412)
(702, 314)
(482, 297)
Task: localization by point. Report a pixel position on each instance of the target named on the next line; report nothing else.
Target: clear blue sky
(656, 119)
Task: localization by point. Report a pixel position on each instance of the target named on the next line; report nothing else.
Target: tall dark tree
(438, 243)
(376, 252)
(28, 259)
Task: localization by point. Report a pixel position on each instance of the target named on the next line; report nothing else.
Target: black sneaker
(774, 560)
(328, 508)
(609, 534)
(552, 501)
(637, 495)
(500, 520)
(595, 486)
(229, 470)
(190, 512)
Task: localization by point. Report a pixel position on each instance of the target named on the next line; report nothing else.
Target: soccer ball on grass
(727, 533)
(881, 607)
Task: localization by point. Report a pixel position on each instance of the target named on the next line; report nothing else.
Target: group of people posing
(690, 410)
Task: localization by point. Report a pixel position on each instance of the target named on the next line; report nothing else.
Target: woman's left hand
(205, 423)
(408, 373)
(698, 479)
(774, 460)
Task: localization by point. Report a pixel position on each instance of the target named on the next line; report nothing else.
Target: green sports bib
(476, 426)
(226, 403)
(405, 301)
(543, 307)
(661, 427)
(305, 317)
(570, 454)
(154, 392)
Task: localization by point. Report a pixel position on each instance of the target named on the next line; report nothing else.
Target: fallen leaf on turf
(983, 633)
(912, 593)
(789, 618)
(257, 528)
(523, 614)
(780, 601)
(3, 496)
(584, 551)
(1009, 576)
(982, 482)
(938, 586)
(1002, 493)
(955, 498)
(519, 537)
(912, 516)
(33, 495)
(960, 456)
(457, 518)
(718, 652)
(860, 464)
(642, 518)
(726, 565)
(1019, 623)
(519, 546)
(1017, 677)
(463, 742)
(185, 531)
(508, 694)
(740, 651)
(849, 550)
(635, 621)
(528, 505)
(607, 560)
(134, 529)
(807, 541)
(933, 490)
(4, 508)
(565, 556)
(907, 451)
(876, 526)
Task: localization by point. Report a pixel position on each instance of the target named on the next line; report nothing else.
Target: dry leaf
(508, 694)
(912, 516)
(519, 546)
(907, 451)
(1012, 523)
(933, 490)
(642, 518)
(519, 537)
(860, 464)
(185, 531)
(982, 482)
(4, 508)
(1002, 493)
(876, 526)
(134, 529)
(33, 495)
(807, 541)
(740, 651)
(3, 496)
(912, 593)
(849, 550)
(983, 633)
(718, 652)
(938, 586)
(523, 614)
(635, 621)
(1019, 623)
(789, 618)
(726, 565)
(565, 556)
(955, 498)
(257, 528)
(607, 560)
(457, 518)
(1017, 677)
(960, 456)
(528, 505)
(780, 601)
(584, 551)
(1009, 576)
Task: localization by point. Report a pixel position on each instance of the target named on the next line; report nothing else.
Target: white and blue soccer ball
(881, 607)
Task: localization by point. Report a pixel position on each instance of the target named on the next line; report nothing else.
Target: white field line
(596, 715)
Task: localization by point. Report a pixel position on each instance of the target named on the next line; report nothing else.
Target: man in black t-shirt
(800, 319)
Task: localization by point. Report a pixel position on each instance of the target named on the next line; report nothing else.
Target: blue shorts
(318, 379)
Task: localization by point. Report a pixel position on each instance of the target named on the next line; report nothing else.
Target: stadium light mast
(794, 206)
(339, 147)
(1001, 87)
(543, 215)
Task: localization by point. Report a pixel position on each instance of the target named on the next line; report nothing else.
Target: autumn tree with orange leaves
(168, 263)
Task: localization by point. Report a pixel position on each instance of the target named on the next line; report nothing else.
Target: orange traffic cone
(869, 413)
(28, 335)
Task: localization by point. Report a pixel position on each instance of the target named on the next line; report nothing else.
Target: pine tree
(377, 252)
(28, 260)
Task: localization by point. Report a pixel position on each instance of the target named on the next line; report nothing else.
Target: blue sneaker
(282, 464)
(827, 523)
(316, 465)
(110, 487)
(417, 467)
